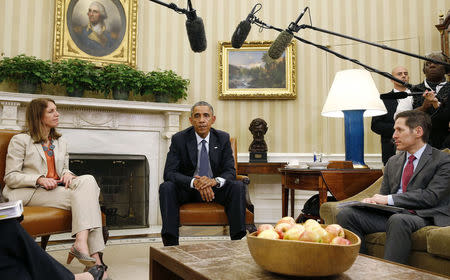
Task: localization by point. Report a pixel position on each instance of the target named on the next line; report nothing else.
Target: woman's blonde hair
(33, 120)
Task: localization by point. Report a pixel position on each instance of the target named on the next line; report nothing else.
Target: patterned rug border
(67, 246)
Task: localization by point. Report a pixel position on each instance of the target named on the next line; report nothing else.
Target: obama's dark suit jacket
(181, 164)
(182, 157)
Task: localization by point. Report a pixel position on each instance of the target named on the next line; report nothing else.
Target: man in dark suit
(417, 179)
(434, 101)
(384, 125)
(200, 167)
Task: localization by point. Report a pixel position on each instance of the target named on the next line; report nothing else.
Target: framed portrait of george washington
(100, 31)
(249, 72)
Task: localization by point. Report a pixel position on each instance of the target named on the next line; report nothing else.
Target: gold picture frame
(74, 36)
(249, 73)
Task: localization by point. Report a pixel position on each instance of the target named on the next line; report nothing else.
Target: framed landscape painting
(249, 72)
(102, 31)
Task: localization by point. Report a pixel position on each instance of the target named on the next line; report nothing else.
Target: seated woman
(37, 172)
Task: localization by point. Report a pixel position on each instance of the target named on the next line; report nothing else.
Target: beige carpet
(125, 261)
(128, 258)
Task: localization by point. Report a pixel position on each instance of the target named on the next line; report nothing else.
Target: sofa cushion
(419, 238)
(439, 242)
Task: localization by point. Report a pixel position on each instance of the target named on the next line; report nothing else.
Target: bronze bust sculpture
(258, 147)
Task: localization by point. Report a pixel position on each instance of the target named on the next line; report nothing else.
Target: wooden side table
(259, 167)
(342, 183)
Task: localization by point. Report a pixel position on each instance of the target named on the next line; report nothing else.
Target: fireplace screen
(124, 185)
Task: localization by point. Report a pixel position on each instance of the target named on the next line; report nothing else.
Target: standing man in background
(434, 100)
(384, 125)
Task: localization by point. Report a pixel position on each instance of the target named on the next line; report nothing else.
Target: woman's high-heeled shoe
(82, 258)
(97, 272)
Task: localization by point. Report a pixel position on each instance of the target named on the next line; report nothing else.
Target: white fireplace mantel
(10, 102)
(105, 126)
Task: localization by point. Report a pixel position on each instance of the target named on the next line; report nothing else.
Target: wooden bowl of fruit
(308, 249)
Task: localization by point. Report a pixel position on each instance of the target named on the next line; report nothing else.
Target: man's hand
(430, 99)
(368, 200)
(204, 185)
(377, 199)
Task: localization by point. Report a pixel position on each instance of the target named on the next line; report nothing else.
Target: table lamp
(353, 95)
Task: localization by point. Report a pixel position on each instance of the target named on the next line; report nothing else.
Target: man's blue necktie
(204, 161)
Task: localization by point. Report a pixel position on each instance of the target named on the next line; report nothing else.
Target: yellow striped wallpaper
(295, 126)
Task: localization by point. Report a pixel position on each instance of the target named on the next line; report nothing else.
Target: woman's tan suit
(26, 162)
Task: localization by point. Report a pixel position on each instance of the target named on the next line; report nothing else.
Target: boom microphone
(243, 28)
(284, 38)
(195, 30)
(280, 44)
(398, 95)
(240, 34)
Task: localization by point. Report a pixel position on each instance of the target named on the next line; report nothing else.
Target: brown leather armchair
(40, 221)
(213, 214)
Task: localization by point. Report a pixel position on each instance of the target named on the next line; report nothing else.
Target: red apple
(310, 224)
(340, 241)
(294, 232)
(268, 234)
(327, 237)
(323, 235)
(335, 230)
(286, 219)
(282, 228)
(263, 227)
(310, 236)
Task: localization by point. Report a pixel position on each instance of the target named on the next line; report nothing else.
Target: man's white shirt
(404, 104)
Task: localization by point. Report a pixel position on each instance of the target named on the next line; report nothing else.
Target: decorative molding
(9, 115)
(101, 104)
(86, 118)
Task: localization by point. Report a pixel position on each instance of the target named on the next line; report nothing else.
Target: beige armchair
(430, 245)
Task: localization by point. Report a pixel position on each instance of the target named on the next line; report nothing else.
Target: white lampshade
(353, 89)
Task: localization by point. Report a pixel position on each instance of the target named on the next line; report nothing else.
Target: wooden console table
(342, 183)
(245, 168)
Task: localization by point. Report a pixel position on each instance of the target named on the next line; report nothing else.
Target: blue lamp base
(354, 137)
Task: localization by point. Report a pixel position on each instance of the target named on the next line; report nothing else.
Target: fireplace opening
(124, 186)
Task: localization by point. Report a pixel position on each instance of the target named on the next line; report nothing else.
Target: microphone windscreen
(196, 34)
(240, 34)
(280, 44)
